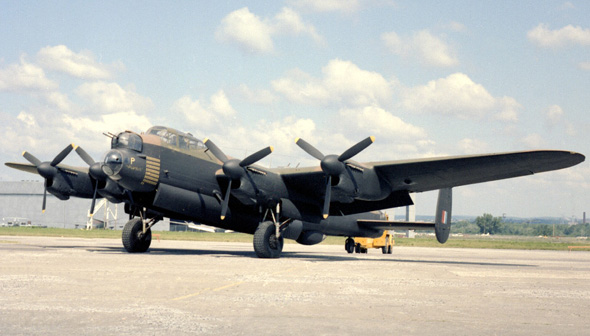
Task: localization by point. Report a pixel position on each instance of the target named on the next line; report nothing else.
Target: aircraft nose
(113, 162)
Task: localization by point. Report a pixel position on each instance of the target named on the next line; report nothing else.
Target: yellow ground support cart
(362, 244)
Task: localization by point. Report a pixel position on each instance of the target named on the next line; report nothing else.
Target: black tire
(357, 248)
(134, 240)
(389, 249)
(384, 249)
(349, 245)
(266, 244)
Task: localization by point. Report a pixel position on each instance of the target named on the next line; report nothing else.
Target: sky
(426, 78)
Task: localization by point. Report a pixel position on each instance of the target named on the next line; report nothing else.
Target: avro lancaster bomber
(167, 173)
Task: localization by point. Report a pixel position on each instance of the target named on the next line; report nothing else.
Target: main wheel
(266, 243)
(349, 245)
(134, 240)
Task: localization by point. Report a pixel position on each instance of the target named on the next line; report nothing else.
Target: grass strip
(492, 242)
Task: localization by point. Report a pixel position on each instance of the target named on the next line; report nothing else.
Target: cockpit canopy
(127, 140)
(176, 139)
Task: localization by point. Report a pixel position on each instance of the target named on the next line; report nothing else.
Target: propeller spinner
(234, 169)
(333, 165)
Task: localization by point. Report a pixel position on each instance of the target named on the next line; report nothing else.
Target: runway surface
(58, 286)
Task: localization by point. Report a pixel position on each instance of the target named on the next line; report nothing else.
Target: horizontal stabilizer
(390, 225)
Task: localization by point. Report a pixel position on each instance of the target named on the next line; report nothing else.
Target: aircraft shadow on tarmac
(292, 255)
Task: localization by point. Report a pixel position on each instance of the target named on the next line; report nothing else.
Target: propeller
(333, 165)
(234, 169)
(48, 170)
(95, 171)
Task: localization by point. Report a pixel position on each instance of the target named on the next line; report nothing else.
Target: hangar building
(24, 199)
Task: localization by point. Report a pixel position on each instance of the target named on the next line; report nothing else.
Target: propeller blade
(44, 197)
(82, 153)
(309, 149)
(354, 150)
(215, 150)
(32, 159)
(326, 210)
(62, 155)
(253, 158)
(93, 199)
(225, 203)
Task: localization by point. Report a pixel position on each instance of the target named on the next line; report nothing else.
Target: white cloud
(247, 30)
(584, 66)
(554, 113)
(508, 109)
(459, 96)
(289, 22)
(208, 117)
(80, 65)
(533, 141)
(110, 97)
(554, 119)
(220, 105)
(472, 146)
(27, 119)
(566, 36)
(345, 6)
(253, 34)
(257, 96)
(58, 100)
(114, 122)
(422, 45)
(281, 134)
(25, 77)
(343, 83)
(373, 120)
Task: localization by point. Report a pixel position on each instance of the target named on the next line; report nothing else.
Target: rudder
(442, 226)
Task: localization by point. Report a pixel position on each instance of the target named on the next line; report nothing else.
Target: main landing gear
(268, 240)
(137, 234)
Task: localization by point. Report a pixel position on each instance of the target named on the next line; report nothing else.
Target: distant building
(24, 199)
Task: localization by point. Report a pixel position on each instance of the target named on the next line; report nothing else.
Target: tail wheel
(134, 240)
(266, 243)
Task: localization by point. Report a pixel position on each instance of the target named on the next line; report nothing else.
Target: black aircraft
(167, 173)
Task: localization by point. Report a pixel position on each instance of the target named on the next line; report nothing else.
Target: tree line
(488, 224)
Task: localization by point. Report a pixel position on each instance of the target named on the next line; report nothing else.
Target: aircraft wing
(26, 167)
(437, 173)
(29, 168)
(421, 175)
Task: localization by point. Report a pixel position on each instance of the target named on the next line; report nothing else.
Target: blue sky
(426, 78)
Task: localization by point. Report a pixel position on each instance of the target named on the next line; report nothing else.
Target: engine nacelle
(311, 237)
(66, 184)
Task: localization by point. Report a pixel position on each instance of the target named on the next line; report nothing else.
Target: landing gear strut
(268, 240)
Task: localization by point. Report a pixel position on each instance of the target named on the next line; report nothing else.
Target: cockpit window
(176, 139)
(127, 140)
